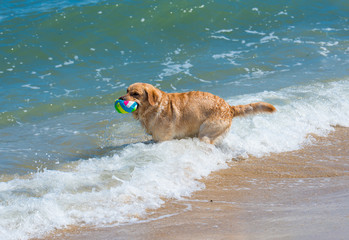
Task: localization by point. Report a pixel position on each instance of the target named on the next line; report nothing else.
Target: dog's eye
(134, 94)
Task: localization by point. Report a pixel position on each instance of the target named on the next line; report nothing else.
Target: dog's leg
(162, 133)
(212, 130)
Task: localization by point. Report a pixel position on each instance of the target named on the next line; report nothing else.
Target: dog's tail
(252, 108)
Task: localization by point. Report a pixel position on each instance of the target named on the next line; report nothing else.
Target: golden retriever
(168, 116)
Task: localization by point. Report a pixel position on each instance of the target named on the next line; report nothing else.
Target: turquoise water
(63, 63)
(75, 57)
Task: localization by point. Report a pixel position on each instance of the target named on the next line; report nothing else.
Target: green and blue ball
(122, 106)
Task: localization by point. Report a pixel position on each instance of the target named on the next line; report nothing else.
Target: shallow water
(66, 156)
(299, 194)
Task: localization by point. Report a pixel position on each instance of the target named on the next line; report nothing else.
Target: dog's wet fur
(168, 116)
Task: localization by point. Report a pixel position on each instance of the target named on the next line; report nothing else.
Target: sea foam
(301, 111)
(106, 190)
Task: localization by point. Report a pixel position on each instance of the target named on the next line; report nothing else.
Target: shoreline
(300, 194)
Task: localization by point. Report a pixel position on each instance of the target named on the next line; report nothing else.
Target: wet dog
(168, 116)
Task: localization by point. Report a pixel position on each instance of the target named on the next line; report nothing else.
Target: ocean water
(66, 156)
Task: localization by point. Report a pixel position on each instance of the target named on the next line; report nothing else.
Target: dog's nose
(122, 98)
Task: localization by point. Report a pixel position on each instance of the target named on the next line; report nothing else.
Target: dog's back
(191, 114)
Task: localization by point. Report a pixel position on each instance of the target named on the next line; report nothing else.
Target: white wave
(172, 68)
(105, 190)
(120, 188)
(282, 13)
(30, 86)
(230, 56)
(220, 37)
(255, 32)
(301, 110)
(224, 31)
(256, 73)
(324, 51)
(269, 38)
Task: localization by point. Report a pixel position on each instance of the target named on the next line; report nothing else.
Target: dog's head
(143, 94)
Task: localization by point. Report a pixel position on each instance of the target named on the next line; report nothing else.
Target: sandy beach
(294, 195)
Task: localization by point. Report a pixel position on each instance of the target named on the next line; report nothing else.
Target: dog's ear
(153, 95)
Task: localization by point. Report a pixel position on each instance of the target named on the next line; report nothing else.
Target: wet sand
(301, 194)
